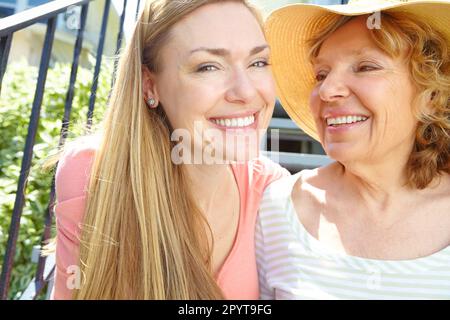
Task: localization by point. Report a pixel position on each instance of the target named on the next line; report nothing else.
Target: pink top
(237, 277)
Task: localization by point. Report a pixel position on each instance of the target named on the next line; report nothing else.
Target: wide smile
(233, 122)
(338, 121)
(346, 122)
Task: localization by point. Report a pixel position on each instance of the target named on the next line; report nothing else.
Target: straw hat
(289, 27)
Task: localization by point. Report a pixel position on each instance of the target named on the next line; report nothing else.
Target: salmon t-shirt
(238, 277)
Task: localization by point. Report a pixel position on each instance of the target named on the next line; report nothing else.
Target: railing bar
(98, 63)
(5, 46)
(46, 235)
(30, 292)
(119, 41)
(50, 279)
(63, 134)
(26, 160)
(35, 287)
(48, 273)
(73, 73)
(28, 17)
(137, 10)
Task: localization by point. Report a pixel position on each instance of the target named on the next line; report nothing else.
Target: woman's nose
(242, 89)
(333, 87)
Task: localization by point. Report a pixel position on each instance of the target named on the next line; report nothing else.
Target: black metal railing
(8, 26)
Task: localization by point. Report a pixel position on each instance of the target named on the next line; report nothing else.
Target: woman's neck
(381, 188)
(379, 179)
(209, 182)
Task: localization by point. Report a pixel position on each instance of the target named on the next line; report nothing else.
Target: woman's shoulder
(303, 177)
(257, 173)
(278, 192)
(73, 169)
(265, 170)
(318, 178)
(309, 181)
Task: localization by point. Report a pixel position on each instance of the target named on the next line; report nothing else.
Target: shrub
(16, 99)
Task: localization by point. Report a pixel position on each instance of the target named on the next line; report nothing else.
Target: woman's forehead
(355, 29)
(218, 25)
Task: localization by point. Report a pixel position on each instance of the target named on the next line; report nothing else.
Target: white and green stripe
(292, 264)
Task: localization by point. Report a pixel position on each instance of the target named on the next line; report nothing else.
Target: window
(7, 7)
(4, 12)
(33, 3)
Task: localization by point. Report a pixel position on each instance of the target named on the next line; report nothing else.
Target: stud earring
(151, 102)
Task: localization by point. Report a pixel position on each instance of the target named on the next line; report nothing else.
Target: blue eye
(207, 68)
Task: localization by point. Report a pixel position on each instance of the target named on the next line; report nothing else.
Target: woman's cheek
(314, 106)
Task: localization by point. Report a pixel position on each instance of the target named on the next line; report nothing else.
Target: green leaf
(16, 99)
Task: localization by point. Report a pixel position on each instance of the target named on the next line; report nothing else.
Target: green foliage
(16, 100)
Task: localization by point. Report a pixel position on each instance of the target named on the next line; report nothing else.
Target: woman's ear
(149, 88)
(426, 103)
(430, 101)
(432, 96)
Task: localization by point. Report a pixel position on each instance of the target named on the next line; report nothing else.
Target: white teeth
(235, 122)
(349, 119)
(345, 120)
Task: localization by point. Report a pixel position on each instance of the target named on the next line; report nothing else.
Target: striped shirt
(292, 264)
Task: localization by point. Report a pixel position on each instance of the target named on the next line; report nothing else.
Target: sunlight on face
(215, 74)
(362, 103)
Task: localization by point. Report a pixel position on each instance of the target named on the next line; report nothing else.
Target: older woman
(374, 224)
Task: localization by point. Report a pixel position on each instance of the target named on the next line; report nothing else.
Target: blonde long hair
(143, 236)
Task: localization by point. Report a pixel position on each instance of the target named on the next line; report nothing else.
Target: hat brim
(289, 28)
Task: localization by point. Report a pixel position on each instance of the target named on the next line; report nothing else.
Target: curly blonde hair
(428, 57)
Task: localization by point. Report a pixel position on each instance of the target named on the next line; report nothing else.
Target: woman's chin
(342, 152)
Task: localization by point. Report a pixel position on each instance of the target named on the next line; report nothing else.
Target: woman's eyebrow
(354, 52)
(259, 49)
(225, 53)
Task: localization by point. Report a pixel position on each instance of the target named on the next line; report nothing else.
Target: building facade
(27, 43)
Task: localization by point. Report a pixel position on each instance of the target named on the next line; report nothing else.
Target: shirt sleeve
(265, 171)
(265, 291)
(71, 181)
